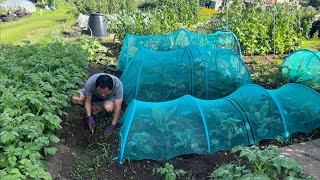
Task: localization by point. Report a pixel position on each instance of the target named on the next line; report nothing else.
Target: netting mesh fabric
(162, 130)
(179, 39)
(204, 73)
(303, 67)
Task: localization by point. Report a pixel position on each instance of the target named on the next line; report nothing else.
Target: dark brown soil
(81, 155)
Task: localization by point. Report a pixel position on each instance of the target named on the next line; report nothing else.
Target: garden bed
(81, 155)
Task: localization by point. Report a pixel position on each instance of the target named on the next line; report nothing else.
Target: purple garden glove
(110, 129)
(91, 123)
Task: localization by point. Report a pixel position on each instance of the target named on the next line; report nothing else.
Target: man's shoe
(110, 129)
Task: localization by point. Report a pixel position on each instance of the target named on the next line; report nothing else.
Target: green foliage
(140, 142)
(268, 74)
(262, 30)
(169, 172)
(315, 36)
(148, 4)
(260, 164)
(97, 52)
(161, 120)
(314, 3)
(306, 16)
(106, 7)
(34, 82)
(186, 10)
(164, 18)
(229, 172)
(229, 130)
(142, 23)
(186, 139)
(56, 4)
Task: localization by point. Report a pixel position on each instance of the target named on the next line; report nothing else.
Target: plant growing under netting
(179, 39)
(229, 131)
(204, 73)
(303, 67)
(196, 126)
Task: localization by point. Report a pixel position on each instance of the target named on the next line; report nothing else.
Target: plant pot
(7, 18)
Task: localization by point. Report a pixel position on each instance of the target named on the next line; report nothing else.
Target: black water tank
(97, 25)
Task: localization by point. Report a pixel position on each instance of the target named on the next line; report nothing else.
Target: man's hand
(91, 123)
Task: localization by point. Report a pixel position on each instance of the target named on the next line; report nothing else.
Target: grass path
(37, 28)
(311, 44)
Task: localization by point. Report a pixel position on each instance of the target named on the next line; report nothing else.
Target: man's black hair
(104, 81)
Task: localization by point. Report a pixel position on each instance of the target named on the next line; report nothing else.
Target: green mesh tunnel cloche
(179, 39)
(303, 67)
(162, 130)
(204, 73)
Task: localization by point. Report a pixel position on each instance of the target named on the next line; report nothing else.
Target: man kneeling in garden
(104, 88)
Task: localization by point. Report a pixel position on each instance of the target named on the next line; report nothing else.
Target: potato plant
(35, 81)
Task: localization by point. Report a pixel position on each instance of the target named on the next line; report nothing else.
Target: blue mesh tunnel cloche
(303, 67)
(204, 73)
(179, 39)
(162, 130)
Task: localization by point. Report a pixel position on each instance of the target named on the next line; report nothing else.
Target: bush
(14, 5)
(148, 4)
(186, 10)
(307, 17)
(140, 23)
(56, 4)
(261, 30)
(106, 7)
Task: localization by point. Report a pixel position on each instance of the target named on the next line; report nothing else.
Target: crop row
(34, 85)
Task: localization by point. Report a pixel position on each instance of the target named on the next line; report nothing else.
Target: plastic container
(97, 25)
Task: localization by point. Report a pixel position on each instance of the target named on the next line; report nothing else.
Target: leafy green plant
(106, 7)
(169, 172)
(140, 142)
(228, 131)
(186, 10)
(97, 52)
(304, 117)
(262, 30)
(307, 16)
(268, 74)
(32, 94)
(142, 23)
(230, 171)
(260, 164)
(186, 139)
(161, 120)
(264, 117)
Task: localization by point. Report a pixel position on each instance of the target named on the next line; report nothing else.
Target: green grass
(37, 28)
(205, 14)
(311, 44)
